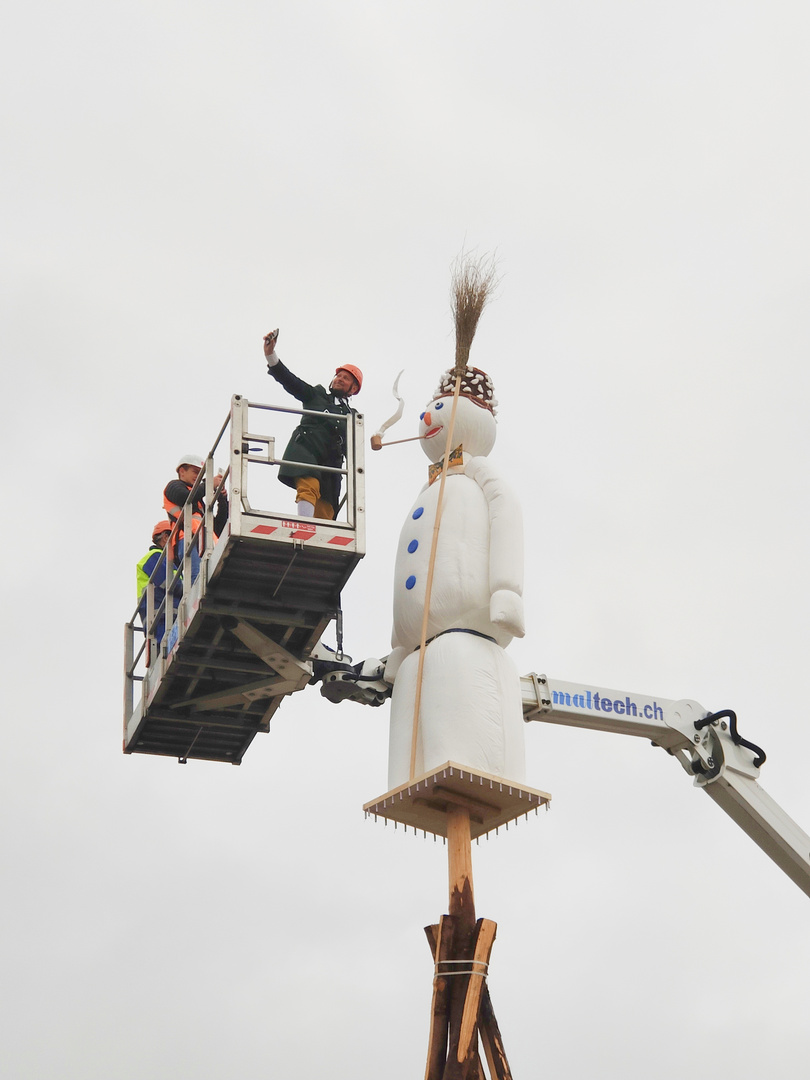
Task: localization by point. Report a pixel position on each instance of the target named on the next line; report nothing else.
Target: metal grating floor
(288, 592)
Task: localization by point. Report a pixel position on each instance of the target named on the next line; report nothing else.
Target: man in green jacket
(318, 440)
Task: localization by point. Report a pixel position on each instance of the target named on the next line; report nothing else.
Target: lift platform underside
(242, 640)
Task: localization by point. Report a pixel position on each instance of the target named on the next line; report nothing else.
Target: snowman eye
(439, 405)
(421, 416)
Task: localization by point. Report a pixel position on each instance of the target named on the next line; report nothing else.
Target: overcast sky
(179, 179)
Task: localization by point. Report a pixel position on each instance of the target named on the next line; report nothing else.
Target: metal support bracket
(270, 652)
(290, 673)
(275, 686)
(542, 695)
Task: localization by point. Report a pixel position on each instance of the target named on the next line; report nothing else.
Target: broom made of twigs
(472, 286)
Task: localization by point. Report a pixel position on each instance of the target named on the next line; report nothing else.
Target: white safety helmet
(190, 459)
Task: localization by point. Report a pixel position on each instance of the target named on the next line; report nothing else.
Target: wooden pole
(462, 910)
(479, 965)
(440, 939)
(492, 1041)
(459, 866)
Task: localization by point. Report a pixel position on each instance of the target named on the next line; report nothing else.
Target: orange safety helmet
(161, 527)
(355, 373)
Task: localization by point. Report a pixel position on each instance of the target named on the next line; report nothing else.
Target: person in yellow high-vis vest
(146, 566)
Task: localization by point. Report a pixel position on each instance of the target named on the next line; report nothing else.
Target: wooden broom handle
(429, 584)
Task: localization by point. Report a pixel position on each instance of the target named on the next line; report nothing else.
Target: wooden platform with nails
(422, 803)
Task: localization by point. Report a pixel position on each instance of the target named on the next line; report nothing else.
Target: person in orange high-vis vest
(175, 496)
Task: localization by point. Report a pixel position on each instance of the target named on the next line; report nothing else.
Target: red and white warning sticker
(304, 530)
(300, 528)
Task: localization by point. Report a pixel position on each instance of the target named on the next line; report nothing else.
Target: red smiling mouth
(431, 433)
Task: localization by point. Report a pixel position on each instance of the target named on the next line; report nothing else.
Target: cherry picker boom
(707, 746)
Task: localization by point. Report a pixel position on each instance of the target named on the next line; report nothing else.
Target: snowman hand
(506, 611)
(393, 663)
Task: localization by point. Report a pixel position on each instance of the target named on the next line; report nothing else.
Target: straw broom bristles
(473, 283)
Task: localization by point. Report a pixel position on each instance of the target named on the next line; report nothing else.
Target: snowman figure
(470, 702)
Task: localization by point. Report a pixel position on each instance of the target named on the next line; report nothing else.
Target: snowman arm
(505, 527)
(393, 662)
(505, 546)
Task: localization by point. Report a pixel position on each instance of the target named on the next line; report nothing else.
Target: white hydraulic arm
(707, 745)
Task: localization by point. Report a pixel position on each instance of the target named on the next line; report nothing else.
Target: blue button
(409, 584)
(414, 544)
(418, 512)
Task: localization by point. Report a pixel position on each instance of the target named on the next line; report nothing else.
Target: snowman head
(474, 426)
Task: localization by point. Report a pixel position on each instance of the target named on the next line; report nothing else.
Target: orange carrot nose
(426, 418)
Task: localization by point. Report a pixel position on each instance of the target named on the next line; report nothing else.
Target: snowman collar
(455, 460)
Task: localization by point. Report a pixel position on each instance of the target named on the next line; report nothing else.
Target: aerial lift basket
(242, 626)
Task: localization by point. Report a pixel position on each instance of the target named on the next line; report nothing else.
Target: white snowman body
(470, 708)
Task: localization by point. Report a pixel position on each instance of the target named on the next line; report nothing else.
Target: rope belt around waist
(457, 630)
